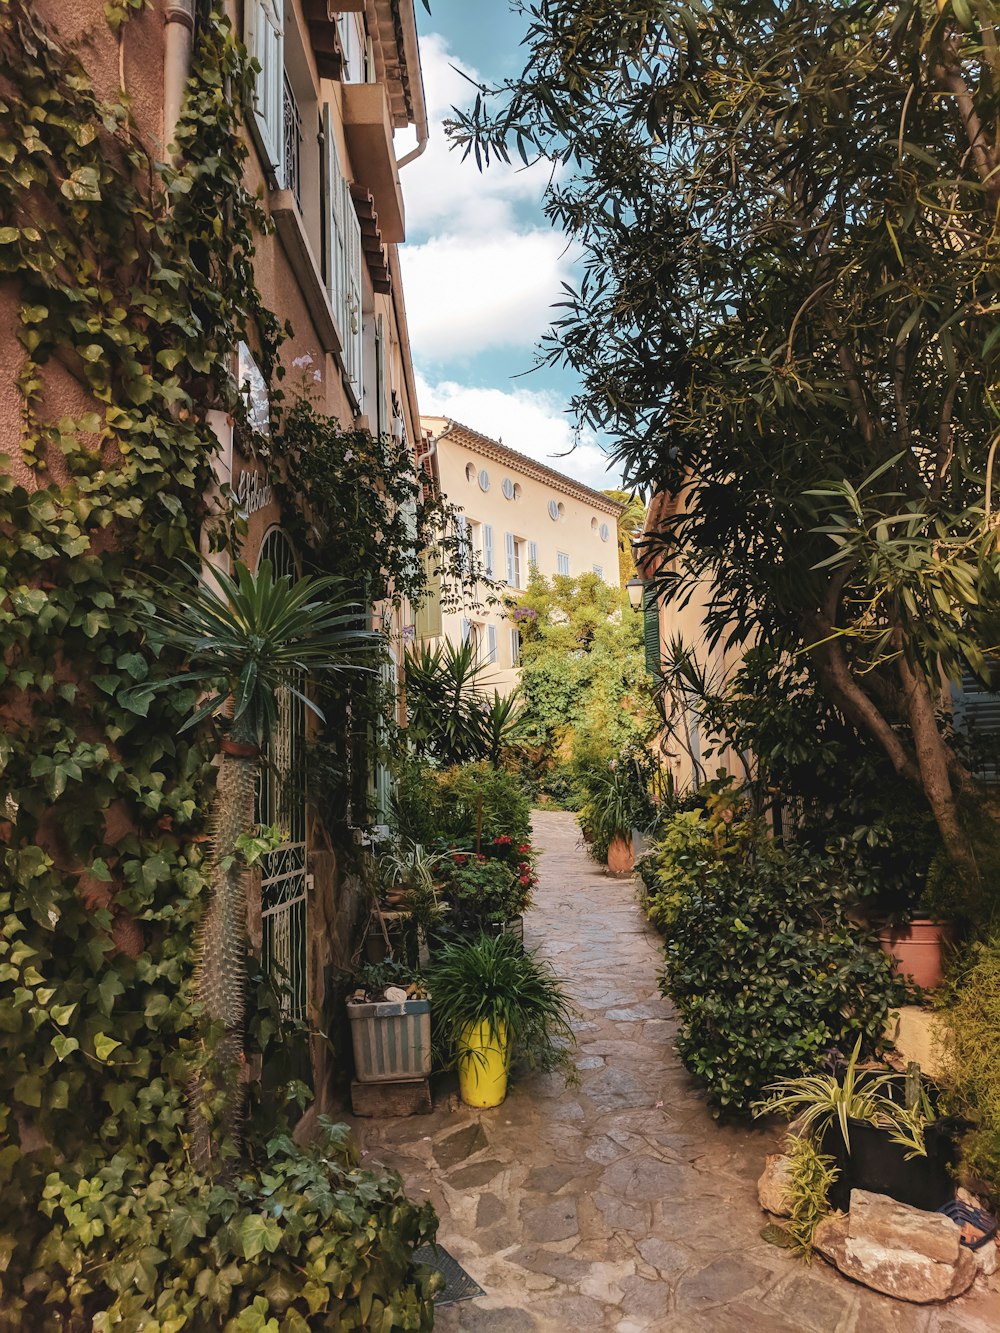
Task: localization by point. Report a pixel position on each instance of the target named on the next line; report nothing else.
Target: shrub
(308, 1242)
(488, 890)
(972, 1058)
(765, 967)
(444, 805)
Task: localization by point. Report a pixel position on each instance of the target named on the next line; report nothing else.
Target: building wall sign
(253, 492)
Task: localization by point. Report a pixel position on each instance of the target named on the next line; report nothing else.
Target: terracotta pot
(239, 749)
(917, 949)
(620, 858)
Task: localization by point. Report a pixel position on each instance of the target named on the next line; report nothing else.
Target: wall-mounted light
(636, 589)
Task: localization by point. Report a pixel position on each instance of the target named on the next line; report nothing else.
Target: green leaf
(104, 1045)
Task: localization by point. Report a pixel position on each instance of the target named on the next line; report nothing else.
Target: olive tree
(786, 318)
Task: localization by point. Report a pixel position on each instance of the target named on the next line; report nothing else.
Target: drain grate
(459, 1286)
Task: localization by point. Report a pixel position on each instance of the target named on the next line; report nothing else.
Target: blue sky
(481, 264)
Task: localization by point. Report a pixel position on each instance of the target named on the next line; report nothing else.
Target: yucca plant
(246, 640)
(494, 981)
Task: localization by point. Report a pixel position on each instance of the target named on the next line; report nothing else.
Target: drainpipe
(178, 18)
(411, 53)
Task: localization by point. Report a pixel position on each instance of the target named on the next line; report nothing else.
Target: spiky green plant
(247, 639)
(492, 980)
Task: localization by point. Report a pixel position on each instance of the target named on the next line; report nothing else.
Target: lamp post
(636, 589)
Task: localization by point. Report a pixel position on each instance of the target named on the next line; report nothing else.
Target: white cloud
(440, 189)
(467, 294)
(529, 420)
(481, 270)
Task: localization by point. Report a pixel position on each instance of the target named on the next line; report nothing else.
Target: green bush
(764, 966)
(307, 1242)
(972, 1058)
(487, 890)
(443, 805)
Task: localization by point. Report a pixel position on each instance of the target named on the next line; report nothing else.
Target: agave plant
(245, 640)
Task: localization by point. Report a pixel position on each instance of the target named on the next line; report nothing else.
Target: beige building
(519, 515)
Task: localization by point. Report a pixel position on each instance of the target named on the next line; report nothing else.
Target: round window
(484, 480)
(554, 508)
(605, 532)
(470, 472)
(593, 525)
(517, 490)
(508, 488)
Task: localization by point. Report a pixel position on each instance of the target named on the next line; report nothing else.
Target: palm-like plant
(444, 701)
(246, 640)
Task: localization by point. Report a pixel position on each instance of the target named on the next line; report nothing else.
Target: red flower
(525, 880)
(524, 847)
(460, 860)
(502, 841)
(480, 857)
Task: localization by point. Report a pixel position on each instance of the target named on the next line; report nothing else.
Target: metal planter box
(391, 1041)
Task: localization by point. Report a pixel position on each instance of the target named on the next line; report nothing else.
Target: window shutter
(383, 775)
(651, 631)
(515, 647)
(491, 643)
(462, 533)
(265, 40)
(466, 630)
(508, 541)
(343, 266)
(532, 555)
(429, 619)
(599, 571)
(562, 563)
(488, 548)
(977, 717)
(381, 378)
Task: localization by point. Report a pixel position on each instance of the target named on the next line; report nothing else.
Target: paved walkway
(620, 1204)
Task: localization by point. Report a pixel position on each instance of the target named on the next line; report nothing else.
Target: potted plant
(390, 1016)
(607, 816)
(488, 894)
(880, 1141)
(495, 1003)
(917, 948)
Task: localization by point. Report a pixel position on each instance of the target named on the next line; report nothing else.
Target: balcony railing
(292, 130)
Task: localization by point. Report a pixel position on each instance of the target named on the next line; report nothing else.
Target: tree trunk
(933, 759)
(216, 1101)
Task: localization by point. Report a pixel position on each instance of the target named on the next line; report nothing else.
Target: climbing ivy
(133, 282)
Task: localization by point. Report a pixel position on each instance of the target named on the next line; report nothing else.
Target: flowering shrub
(484, 889)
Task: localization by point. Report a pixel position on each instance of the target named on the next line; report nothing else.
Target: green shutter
(651, 631)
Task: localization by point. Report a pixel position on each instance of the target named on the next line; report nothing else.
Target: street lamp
(636, 589)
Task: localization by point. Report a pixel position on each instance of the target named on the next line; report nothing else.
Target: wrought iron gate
(281, 801)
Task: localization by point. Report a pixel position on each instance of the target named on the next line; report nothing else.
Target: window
(470, 472)
(484, 480)
(343, 259)
(515, 647)
(532, 556)
(490, 653)
(353, 48)
(488, 549)
(508, 488)
(466, 631)
(605, 532)
(599, 571)
(593, 525)
(265, 40)
(462, 534)
(382, 423)
(562, 562)
(556, 510)
(512, 551)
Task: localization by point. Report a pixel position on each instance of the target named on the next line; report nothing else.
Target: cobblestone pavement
(620, 1204)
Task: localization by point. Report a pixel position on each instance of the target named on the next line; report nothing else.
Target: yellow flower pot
(482, 1065)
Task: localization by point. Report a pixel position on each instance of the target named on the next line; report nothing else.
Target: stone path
(620, 1204)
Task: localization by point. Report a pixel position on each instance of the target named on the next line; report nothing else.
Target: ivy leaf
(104, 1045)
(64, 1046)
(82, 184)
(258, 1233)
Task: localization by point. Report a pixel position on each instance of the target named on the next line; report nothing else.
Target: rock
(459, 1145)
(774, 1185)
(394, 994)
(864, 1245)
(986, 1258)
(897, 1226)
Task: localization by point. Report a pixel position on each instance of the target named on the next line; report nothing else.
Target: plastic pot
(877, 1164)
(482, 1065)
(917, 949)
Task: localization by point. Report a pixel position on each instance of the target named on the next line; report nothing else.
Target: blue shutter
(508, 541)
(532, 556)
(977, 718)
(491, 643)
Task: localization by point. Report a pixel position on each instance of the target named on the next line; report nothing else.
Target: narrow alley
(618, 1204)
